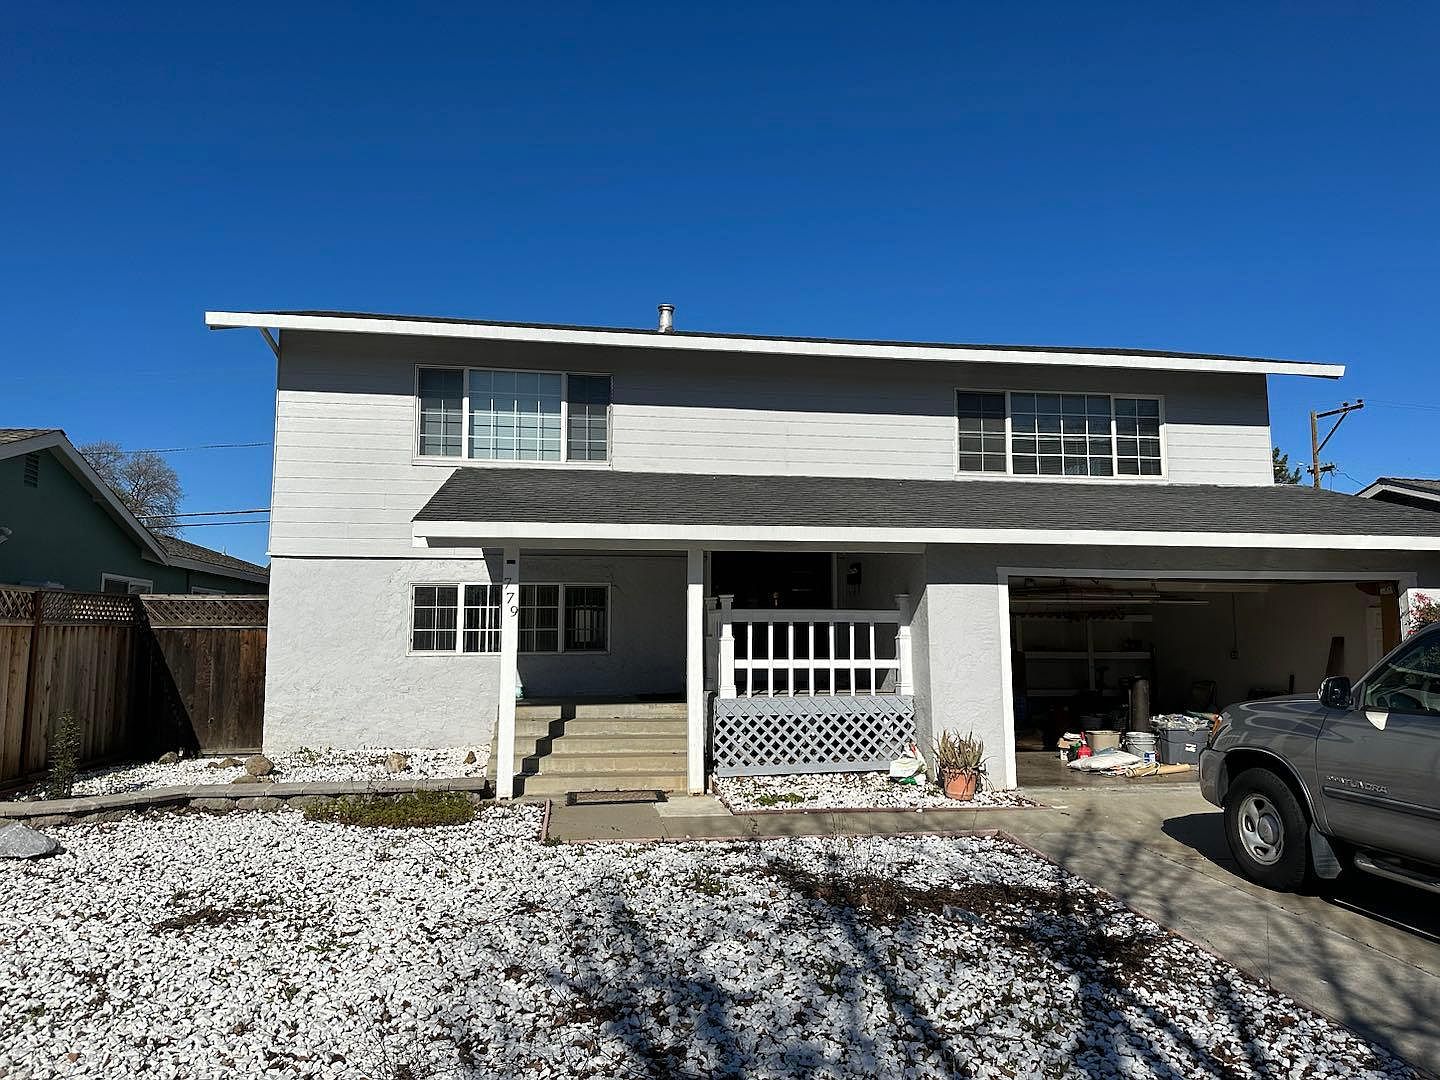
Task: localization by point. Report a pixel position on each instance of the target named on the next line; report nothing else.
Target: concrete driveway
(1368, 957)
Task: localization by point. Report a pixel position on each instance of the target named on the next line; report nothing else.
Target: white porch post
(695, 667)
(905, 665)
(509, 651)
(727, 647)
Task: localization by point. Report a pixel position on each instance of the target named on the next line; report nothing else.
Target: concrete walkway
(1369, 956)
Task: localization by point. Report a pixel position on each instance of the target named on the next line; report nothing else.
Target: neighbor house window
(126, 586)
(487, 414)
(1058, 434)
(455, 618)
(981, 420)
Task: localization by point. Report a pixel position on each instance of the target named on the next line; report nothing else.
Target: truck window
(1410, 682)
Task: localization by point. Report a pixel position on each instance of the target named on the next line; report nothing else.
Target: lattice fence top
(755, 736)
(80, 607)
(194, 611)
(16, 605)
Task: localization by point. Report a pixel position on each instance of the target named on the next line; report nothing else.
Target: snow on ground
(261, 944)
(367, 763)
(846, 791)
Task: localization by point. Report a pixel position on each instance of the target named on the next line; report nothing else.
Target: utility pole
(1317, 444)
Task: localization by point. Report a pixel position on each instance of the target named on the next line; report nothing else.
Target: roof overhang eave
(470, 533)
(1135, 361)
(1381, 487)
(257, 576)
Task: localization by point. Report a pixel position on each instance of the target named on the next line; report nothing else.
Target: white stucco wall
(340, 672)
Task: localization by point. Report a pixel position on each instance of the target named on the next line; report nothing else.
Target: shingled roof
(633, 498)
(183, 549)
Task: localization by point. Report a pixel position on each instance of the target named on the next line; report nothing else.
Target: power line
(202, 446)
(203, 524)
(1405, 405)
(204, 513)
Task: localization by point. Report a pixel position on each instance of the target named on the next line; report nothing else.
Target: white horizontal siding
(346, 482)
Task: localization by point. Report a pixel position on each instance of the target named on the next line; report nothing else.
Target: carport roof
(498, 502)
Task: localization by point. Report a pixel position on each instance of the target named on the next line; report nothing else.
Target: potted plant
(959, 763)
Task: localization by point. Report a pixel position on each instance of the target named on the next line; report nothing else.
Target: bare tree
(144, 482)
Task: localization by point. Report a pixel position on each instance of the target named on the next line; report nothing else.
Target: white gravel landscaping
(328, 766)
(264, 945)
(847, 791)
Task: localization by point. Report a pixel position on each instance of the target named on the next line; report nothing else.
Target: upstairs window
(515, 415)
(442, 415)
(1137, 436)
(588, 401)
(1061, 434)
(488, 414)
(1039, 434)
(981, 419)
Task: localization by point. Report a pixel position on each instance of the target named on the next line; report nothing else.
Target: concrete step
(601, 710)
(609, 725)
(575, 765)
(596, 781)
(585, 745)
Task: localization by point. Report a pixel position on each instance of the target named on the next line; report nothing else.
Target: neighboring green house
(62, 527)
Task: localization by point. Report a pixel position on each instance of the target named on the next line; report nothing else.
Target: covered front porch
(627, 667)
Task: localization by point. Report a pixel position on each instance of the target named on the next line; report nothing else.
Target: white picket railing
(807, 653)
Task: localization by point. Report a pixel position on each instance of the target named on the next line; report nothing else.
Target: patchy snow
(264, 945)
(846, 791)
(326, 766)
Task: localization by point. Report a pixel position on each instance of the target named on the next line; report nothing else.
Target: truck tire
(1267, 830)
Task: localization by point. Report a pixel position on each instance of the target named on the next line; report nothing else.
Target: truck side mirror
(1335, 692)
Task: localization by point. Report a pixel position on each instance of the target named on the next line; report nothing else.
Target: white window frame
(1011, 474)
(418, 458)
(460, 587)
(560, 633)
(201, 590)
(148, 586)
(560, 649)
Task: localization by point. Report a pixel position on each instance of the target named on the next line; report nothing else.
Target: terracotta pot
(961, 786)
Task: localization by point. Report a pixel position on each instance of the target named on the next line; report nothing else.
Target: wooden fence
(140, 674)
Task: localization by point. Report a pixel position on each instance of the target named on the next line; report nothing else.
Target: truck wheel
(1267, 830)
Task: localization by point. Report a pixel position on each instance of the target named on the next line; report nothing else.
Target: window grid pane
(586, 618)
(539, 618)
(980, 420)
(1061, 435)
(482, 619)
(588, 401)
(441, 412)
(1137, 436)
(434, 610)
(514, 415)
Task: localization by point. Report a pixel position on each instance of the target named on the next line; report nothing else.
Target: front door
(1379, 764)
(774, 579)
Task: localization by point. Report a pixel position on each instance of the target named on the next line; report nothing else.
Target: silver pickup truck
(1349, 778)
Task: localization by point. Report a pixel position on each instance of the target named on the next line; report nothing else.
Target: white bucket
(1141, 744)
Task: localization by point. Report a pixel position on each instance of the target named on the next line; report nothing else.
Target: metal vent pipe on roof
(667, 318)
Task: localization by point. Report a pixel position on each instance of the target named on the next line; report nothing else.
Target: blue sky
(1255, 179)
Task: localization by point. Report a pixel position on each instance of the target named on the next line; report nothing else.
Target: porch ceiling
(557, 504)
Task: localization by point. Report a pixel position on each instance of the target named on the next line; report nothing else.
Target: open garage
(1115, 653)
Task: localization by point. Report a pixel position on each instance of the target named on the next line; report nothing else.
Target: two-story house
(813, 549)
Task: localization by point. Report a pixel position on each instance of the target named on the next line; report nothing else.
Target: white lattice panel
(758, 736)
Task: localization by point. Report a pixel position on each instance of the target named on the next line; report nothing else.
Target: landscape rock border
(223, 798)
